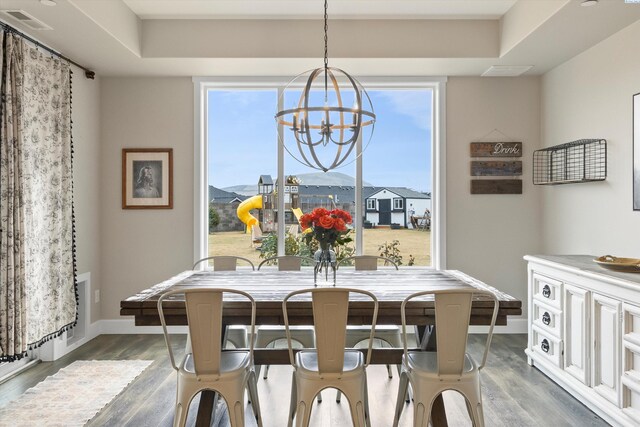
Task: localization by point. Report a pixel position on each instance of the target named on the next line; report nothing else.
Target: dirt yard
(412, 242)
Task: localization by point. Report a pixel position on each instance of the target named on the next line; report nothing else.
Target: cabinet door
(605, 332)
(576, 333)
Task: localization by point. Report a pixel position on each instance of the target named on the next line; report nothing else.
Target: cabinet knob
(546, 318)
(544, 345)
(546, 291)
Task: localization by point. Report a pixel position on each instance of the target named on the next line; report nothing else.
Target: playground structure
(265, 204)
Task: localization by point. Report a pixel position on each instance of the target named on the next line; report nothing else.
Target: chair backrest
(330, 313)
(453, 310)
(223, 262)
(367, 262)
(204, 306)
(288, 262)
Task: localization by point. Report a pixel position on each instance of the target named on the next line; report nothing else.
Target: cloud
(415, 104)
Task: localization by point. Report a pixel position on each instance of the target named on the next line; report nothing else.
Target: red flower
(306, 221)
(326, 222)
(339, 225)
(318, 213)
(343, 215)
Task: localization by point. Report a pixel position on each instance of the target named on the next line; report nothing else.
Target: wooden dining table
(268, 287)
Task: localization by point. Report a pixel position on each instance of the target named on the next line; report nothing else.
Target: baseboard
(127, 326)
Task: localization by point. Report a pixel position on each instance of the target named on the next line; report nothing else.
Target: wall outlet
(96, 298)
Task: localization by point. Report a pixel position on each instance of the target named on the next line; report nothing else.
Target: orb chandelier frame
(348, 121)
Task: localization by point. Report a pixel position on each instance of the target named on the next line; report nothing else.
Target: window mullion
(280, 188)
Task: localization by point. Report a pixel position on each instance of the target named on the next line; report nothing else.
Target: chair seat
(426, 362)
(307, 360)
(230, 362)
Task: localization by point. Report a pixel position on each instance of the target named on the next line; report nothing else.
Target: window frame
(398, 199)
(373, 204)
(201, 85)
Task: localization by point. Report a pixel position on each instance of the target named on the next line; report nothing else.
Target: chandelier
(324, 130)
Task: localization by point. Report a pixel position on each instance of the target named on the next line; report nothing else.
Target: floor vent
(26, 19)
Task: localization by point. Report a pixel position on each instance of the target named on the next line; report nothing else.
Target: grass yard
(412, 242)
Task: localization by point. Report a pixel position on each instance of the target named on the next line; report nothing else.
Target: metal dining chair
(450, 367)
(206, 366)
(366, 262)
(329, 364)
(268, 335)
(223, 262)
(287, 262)
(387, 335)
(235, 334)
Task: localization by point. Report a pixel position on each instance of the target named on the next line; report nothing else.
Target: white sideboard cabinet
(584, 332)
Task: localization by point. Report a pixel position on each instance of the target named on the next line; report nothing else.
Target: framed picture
(636, 152)
(147, 178)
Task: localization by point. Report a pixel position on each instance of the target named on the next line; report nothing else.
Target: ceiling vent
(26, 19)
(506, 70)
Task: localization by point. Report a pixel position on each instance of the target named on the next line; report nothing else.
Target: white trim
(128, 326)
(60, 346)
(200, 243)
(439, 178)
(438, 147)
(17, 367)
(280, 165)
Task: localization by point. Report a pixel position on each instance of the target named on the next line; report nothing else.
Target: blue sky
(243, 139)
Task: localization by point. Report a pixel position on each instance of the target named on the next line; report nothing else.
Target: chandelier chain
(326, 49)
(326, 37)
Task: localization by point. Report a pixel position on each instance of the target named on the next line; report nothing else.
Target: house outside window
(371, 204)
(397, 204)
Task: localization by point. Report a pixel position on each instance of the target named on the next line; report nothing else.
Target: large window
(240, 162)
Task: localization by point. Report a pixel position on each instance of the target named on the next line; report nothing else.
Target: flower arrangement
(329, 228)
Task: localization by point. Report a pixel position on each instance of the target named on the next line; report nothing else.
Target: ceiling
(313, 9)
(284, 37)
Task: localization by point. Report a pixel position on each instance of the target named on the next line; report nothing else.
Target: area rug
(73, 395)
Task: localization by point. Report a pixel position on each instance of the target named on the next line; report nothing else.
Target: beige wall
(86, 177)
(142, 247)
(590, 97)
(487, 235)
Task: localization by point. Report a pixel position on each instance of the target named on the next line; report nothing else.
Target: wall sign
(496, 149)
(496, 168)
(496, 186)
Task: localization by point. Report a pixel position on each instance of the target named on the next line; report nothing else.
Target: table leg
(205, 409)
(428, 342)
(208, 398)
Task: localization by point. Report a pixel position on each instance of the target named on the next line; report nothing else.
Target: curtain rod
(87, 72)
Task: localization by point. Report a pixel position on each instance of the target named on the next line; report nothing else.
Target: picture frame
(147, 178)
(636, 151)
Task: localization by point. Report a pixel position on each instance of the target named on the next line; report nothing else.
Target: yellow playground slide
(298, 213)
(254, 202)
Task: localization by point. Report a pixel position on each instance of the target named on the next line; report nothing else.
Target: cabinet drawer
(547, 318)
(631, 397)
(547, 290)
(547, 346)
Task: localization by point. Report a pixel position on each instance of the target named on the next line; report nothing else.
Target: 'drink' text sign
(496, 149)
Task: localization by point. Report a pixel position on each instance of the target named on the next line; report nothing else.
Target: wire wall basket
(584, 160)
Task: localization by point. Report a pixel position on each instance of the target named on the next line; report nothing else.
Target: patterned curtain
(37, 253)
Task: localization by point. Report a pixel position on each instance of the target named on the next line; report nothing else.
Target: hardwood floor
(514, 394)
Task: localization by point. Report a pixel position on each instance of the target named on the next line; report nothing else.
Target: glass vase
(325, 259)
